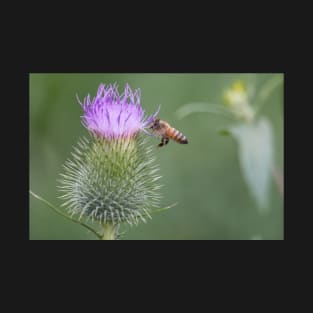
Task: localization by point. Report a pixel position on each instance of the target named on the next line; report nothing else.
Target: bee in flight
(166, 132)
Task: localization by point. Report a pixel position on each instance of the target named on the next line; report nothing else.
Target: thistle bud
(236, 100)
(112, 177)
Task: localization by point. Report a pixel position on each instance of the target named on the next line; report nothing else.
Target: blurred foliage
(203, 177)
(252, 132)
(255, 148)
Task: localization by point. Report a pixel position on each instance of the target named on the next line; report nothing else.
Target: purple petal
(81, 104)
(152, 117)
(113, 115)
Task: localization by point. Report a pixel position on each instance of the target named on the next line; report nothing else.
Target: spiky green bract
(111, 181)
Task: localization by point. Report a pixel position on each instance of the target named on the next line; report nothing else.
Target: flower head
(111, 115)
(110, 179)
(235, 95)
(237, 101)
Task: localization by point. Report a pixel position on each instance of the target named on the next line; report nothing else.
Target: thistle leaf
(223, 131)
(256, 154)
(201, 107)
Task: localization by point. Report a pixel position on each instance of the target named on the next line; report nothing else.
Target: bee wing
(147, 133)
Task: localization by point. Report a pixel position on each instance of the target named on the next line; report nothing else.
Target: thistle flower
(112, 177)
(113, 116)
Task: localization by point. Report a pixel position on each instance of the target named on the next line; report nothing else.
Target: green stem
(64, 215)
(108, 232)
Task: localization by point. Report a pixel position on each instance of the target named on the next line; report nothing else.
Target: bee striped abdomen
(177, 136)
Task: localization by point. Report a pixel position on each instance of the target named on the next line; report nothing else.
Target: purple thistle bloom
(110, 115)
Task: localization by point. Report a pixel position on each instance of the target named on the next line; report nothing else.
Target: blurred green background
(203, 177)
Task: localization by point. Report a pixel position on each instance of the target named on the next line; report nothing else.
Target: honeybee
(166, 132)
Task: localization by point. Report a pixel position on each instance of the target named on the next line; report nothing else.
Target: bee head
(155, 123)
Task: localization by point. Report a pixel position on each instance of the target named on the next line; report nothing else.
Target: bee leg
(166, 140)
(162, 143)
